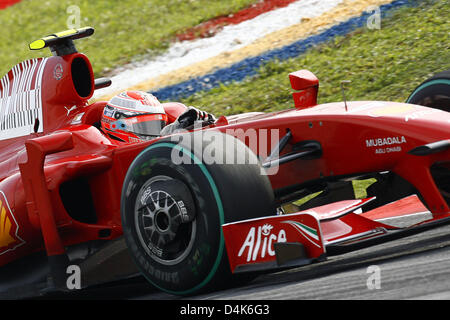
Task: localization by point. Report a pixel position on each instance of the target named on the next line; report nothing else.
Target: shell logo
(9, 229)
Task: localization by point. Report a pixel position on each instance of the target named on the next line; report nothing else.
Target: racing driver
(133, 116)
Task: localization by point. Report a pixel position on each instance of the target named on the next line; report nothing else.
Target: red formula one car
(203, 208)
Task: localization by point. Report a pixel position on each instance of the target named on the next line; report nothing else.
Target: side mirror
(307, 85)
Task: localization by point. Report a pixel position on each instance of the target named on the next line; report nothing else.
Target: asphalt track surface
(416, 267)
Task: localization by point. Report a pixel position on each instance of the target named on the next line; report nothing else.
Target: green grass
(385, 64)
(126, 30)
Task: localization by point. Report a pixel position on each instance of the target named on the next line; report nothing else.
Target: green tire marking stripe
(219, 206)
(427, 84)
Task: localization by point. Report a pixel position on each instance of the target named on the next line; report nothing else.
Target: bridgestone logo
(379, 142)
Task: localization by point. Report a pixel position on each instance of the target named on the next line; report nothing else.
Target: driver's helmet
(133, 116)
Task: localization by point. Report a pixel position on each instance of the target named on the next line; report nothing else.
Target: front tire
(172, 212)
(433, 92)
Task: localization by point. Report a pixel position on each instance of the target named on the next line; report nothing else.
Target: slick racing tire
(174, 201)
(433, 92)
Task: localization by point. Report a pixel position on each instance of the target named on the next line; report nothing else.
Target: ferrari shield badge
(9, 229)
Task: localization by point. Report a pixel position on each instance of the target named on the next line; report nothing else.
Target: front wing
(301, 238)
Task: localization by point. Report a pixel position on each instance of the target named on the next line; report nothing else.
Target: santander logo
(259, 242)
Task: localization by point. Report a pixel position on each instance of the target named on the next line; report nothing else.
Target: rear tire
(184, 253)
(433, 92)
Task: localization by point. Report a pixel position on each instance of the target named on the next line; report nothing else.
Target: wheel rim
(163, 233)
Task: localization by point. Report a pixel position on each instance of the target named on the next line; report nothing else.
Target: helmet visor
(147, 125)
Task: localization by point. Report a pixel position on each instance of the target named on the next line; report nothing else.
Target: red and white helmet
(133, 116)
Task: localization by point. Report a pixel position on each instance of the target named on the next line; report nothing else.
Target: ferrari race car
(210, 206)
